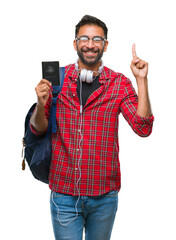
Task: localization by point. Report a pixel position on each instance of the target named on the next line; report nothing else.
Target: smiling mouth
(90, 53)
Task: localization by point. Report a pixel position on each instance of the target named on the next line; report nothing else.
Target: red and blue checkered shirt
(99, 161)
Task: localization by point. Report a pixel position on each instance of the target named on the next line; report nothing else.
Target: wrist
(39, 105)
(142, 82)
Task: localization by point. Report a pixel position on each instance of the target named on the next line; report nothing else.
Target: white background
(40, 30)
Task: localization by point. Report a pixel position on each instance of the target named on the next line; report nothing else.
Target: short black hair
(90, 20)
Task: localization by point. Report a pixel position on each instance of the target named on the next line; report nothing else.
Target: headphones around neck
(87, 75)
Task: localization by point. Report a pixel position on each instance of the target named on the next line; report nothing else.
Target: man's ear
(105, 46)
(75, 45)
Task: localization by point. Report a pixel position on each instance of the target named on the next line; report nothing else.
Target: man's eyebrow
(92, 37)
(83, 36)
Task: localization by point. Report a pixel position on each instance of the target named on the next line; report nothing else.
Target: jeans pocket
(57, 194)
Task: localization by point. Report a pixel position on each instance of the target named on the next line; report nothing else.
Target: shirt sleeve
(47, 114)
(140, 125)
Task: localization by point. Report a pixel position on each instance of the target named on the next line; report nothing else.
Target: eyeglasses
(96, 39)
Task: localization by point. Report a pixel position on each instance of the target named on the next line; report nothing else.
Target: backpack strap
(56, 91)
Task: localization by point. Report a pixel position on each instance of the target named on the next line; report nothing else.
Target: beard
(90, 61)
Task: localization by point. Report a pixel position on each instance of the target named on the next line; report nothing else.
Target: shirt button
(74, 94)
(77, 149)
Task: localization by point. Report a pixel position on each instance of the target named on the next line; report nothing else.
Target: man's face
(90, 52)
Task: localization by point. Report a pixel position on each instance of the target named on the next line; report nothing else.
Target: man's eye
(97, 39)
(84, 38)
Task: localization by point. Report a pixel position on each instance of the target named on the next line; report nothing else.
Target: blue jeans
(96, 214)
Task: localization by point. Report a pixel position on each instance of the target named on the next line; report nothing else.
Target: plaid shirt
(99, 150)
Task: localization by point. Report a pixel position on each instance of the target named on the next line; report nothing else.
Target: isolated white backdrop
(41, 30)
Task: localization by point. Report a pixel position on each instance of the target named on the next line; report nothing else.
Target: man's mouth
(90, 53)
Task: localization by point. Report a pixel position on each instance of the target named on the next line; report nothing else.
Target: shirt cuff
(35, 132)
(144, 120)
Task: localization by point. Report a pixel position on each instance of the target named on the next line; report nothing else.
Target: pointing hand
(139, 67)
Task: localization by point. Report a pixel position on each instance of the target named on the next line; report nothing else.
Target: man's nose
(90, 44)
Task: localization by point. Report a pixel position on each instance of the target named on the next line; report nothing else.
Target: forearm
(144, 107)
(39, 120)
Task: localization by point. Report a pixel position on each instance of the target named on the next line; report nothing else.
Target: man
(85, 169)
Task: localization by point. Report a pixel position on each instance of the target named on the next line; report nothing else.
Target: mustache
(94, 50)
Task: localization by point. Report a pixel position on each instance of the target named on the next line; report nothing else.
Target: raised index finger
(134, 51)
